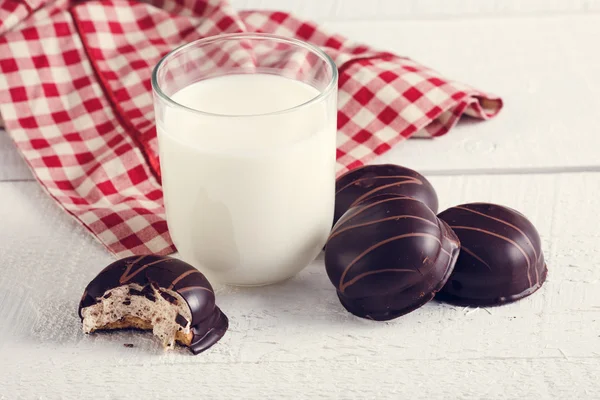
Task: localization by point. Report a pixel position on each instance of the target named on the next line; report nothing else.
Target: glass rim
(331, 85)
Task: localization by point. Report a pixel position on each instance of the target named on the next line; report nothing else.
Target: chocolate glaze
(501, 258)
(388, 255)
(208, 324)
(360, 183)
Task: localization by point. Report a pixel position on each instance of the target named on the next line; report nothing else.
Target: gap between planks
(489, 15)
(258, 362)
(460, 172)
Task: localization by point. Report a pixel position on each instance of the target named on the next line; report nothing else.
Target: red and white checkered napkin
(75, 96)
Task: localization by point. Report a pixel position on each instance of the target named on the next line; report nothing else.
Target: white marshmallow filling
(135, 306)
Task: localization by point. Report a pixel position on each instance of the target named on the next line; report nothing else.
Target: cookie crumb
(130, 345)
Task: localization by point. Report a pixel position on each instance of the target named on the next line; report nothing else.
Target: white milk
(249, 199)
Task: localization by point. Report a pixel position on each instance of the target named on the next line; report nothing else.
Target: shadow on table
(308, 300)
(305, 303)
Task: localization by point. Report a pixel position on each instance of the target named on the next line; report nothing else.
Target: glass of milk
(246, 132)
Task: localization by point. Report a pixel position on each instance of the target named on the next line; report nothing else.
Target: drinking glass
(246, 133)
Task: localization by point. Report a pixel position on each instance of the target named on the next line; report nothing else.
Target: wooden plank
(343, 10)
(520, 378)
(541, 66)
(12, 165)
(543, 69)
(295, 336)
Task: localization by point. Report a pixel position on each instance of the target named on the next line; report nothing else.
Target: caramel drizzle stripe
(358, 277)
(367, 251)
(505, 223)
(190, 288)
(127, 275)
(352, 170)
(412, 178)
(128, 269)
(337, 232)
(475, 256)
(369, 193)
(137, 260)
(469, 228)
(346, 217)
(349, 217)
(180, 277)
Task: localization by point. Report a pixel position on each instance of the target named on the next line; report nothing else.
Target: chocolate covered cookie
(162, 294)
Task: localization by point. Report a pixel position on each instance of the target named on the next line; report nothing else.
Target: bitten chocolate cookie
(500, 259)
(162, 294)
(361, 183)
(388, 255)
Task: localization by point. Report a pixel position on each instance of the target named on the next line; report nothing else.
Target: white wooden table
(294, 340)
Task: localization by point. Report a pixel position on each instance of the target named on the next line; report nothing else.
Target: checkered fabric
(75, 96)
